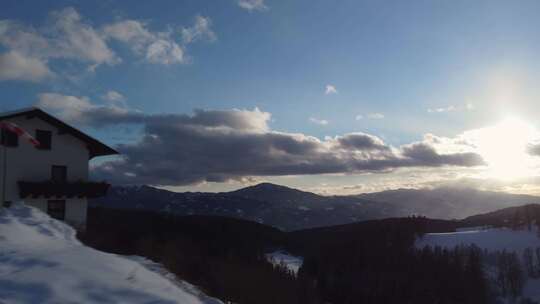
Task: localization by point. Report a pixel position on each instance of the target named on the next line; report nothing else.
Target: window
(9, 138)
(44, 138)
(59, 173)
(57, 209)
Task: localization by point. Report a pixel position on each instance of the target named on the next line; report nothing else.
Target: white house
(53, 176)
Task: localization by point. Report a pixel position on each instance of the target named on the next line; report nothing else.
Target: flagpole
(4, 171)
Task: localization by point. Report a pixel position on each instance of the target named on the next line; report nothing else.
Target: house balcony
(54, 189)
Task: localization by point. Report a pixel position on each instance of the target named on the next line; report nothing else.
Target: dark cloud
(426, 155)
(361, 141)
(534, 149)
(221, 145)
(184, 154)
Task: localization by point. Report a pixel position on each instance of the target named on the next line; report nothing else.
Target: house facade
(54, 175)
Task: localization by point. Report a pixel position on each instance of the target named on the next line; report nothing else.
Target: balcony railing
(55, 189)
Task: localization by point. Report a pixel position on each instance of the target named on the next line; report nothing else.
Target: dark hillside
(373, 231)
(505, 217)
(290, 209)
(366, 262)
(224, 256)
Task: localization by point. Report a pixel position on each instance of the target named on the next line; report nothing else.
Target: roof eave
(96, 147)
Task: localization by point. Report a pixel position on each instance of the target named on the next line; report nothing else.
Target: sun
(504, 148)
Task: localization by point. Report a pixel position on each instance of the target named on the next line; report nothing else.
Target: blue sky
(400, 69)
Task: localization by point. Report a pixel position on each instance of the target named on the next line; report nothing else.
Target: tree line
(368, 262)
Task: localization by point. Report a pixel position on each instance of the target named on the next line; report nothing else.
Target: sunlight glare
(504, 148)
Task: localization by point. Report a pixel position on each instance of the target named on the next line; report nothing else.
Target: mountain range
(291, 209)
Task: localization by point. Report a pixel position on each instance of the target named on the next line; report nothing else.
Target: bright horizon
(331, 98)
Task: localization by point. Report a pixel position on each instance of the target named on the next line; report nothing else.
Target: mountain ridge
(292, 209)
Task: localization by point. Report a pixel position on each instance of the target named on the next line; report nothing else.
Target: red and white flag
(19, 131)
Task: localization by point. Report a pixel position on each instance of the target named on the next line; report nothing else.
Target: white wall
(26, 163)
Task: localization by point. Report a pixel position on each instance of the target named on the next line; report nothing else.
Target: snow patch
(41, 261)
(476, 228)
(490, 239)
(293, 263)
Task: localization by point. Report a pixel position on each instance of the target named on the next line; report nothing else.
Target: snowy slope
(490, 239)
(293, 263)
(41, 261)
(493, 239)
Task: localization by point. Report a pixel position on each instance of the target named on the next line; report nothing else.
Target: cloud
(451, 108)
(361, 141)
(322, 122)
(67, 35)
(429, 157)
(369, 116)
(159, 47)
(375, 116)
(113, 96)
(165, 52)
(155, 47)
(132, 32)
(534, 149)
(80, 110)
(79, 40)
(223, 145)
(330, 89)
(201, 30)
(15, 66)
(442, 110)
(252, 5)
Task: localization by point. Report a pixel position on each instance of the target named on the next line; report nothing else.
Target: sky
(336, 97)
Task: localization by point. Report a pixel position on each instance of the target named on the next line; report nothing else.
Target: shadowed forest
(367, 262)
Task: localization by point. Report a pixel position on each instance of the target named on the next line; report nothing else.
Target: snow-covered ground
(463, 229)
(41, 261)
(492, 239)
(293, 263)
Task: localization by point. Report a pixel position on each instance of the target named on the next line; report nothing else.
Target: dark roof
(95, 147)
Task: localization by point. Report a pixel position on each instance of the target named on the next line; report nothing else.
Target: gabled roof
(95, 147)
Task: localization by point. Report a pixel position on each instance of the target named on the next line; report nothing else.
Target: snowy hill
(492, 240)
(41, 261)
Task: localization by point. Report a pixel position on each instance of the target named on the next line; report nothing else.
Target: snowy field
(293, 263)
(41, 261)
(492, 239)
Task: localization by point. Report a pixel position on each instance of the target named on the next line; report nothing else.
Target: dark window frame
(9, 139)
(57, 209)
(45, 143)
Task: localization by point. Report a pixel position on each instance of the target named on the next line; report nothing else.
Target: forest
(366, 262)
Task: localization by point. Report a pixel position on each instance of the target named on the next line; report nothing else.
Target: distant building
(54, 175)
